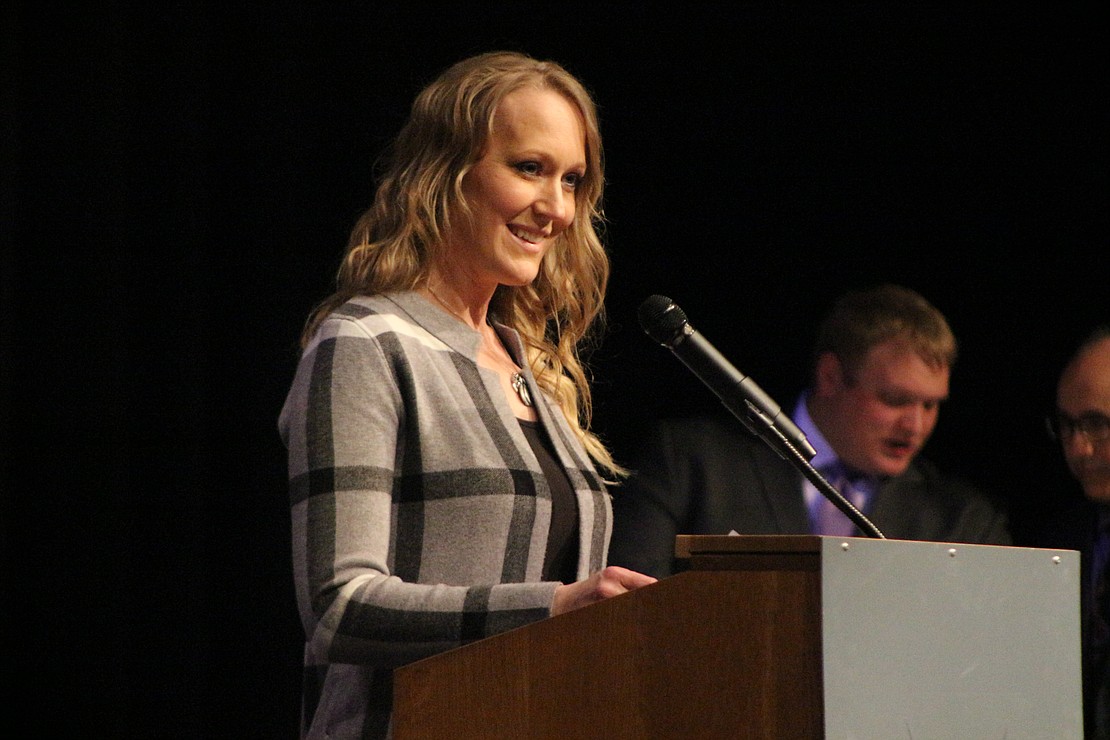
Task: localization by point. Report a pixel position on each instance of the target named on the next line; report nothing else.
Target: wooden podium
(782, 637)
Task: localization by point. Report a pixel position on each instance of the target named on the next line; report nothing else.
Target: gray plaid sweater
(420, 515)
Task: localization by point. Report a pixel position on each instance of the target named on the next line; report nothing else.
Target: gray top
(420, 514)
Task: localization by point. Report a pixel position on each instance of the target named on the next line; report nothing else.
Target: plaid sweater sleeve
(419, 515)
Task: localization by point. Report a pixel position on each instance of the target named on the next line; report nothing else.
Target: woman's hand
(611, 581)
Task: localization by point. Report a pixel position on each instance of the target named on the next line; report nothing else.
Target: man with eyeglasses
(1082, 420)
(1081, 424)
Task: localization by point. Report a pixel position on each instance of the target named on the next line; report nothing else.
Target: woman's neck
(468, 304)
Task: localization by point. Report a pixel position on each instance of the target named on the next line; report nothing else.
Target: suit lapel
(895, 510)
(788, 512)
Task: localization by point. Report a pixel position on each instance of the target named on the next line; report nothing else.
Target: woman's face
(522, 190)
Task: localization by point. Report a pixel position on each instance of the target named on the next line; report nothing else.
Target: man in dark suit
(1081, 423)
(881, 370)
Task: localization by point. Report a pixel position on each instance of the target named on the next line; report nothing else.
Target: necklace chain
(442, 302)
(520, 385)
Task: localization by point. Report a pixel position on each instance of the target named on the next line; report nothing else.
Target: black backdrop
(179, 181)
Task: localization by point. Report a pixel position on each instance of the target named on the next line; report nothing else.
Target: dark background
(179, 180)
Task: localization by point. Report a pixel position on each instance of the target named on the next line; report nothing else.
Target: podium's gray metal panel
(933, 640)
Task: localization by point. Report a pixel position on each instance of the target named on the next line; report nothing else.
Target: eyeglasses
(1095, 427)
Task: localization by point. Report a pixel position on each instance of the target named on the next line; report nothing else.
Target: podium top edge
(688, 545)
(691, 545)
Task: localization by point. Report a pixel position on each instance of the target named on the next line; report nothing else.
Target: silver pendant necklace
(517, 380)
(521, 388)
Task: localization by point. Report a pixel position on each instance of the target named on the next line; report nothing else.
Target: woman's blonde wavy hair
(393, 243)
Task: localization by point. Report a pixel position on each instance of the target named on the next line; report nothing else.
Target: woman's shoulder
(360, 306)
(367, 318)
(405, 321)
(377, 313)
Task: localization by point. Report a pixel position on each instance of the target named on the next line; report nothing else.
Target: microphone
(666, 323)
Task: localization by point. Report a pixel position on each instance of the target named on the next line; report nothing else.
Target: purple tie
(831, 520)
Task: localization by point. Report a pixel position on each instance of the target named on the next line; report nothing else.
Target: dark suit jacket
(708, 475)
(1075, 528)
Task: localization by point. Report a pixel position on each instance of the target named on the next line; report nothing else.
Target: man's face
(1083, 396)
(880, 419)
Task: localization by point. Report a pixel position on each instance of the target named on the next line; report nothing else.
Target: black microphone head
(661, 319)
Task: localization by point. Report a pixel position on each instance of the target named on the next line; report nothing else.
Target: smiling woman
(518, 199)
(520, 196)
(441, 465)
